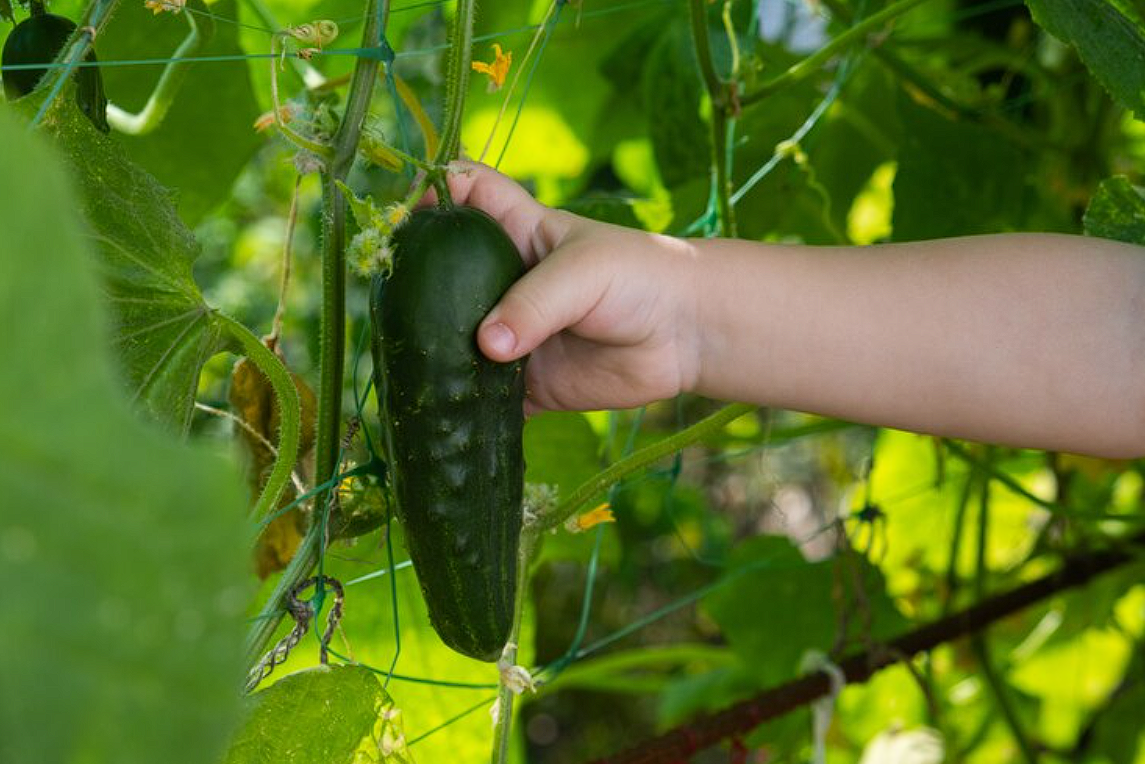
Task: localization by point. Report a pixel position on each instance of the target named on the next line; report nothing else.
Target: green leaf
(954, 178)
(321, 714)
(776, 606)
(1110, 43)
(1117, 211)
(208, 136)
(442, 723)
(122, 551)
(672, 92)
(613, 208)
(162, 329)
(561, 449)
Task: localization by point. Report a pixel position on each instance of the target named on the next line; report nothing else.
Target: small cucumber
(38, 39)
(453, 420)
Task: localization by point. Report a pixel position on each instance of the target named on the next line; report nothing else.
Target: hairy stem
(641, 459)
(504, 725)
(720, 94)
(333, 330)
(289, 407)
(457, 81)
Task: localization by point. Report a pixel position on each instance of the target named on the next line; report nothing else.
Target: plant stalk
(333, 324)
(720, 94)
(502, 730)
(640, 459)
(457, 81)
(99, 14)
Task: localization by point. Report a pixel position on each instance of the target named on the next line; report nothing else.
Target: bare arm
(1030, 340)
(1023, 339)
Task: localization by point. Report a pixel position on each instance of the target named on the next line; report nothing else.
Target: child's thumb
(552, 296)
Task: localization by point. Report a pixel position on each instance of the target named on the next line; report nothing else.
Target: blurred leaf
(1110, 43)
(163, 332)
(323, 714)
(776, 606)
(561, 449)
(122, 549)
(618, 210)
(1117, 732)
(208, 136)
(954, 178)
(1117, 211)
(642, 670)
(672, 92)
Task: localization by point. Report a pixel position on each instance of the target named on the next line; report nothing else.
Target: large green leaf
(208, 136)
(1117, 211)
(122, 551)
(323, 714)
(672, 91)
(163, 331)
(776, 606)
(441, 723)
(1108, 40)
(954, 178)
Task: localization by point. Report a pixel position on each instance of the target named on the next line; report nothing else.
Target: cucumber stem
(457, 81)
(502, 730)
(600, 482)
(97, 17)
(332, 353)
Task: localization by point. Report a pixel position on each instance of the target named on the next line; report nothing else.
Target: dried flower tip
(266, 120)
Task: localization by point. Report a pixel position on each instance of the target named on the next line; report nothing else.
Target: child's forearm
(1032, 340)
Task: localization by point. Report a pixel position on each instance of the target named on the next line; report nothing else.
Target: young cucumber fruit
(452, 421)
(38, 39)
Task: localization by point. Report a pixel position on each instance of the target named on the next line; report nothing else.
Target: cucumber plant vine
(727, 92)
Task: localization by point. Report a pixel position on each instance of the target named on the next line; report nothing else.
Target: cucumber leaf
(162, 329)
(1109, 41)
(1117, 211)
(121, 549)
(208, 136)
(776, 606)
(322, 714)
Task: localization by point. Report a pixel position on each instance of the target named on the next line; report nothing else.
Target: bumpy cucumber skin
(453, 421)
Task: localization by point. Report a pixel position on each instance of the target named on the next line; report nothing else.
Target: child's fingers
(552, 296)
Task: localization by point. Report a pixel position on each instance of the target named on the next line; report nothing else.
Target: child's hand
(607, 312)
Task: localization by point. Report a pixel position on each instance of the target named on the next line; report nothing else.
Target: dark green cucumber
(38, 39)
(452, 421)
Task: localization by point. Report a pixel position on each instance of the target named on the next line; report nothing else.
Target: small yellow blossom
(159, 6)
(590, 519)
(496, 70)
